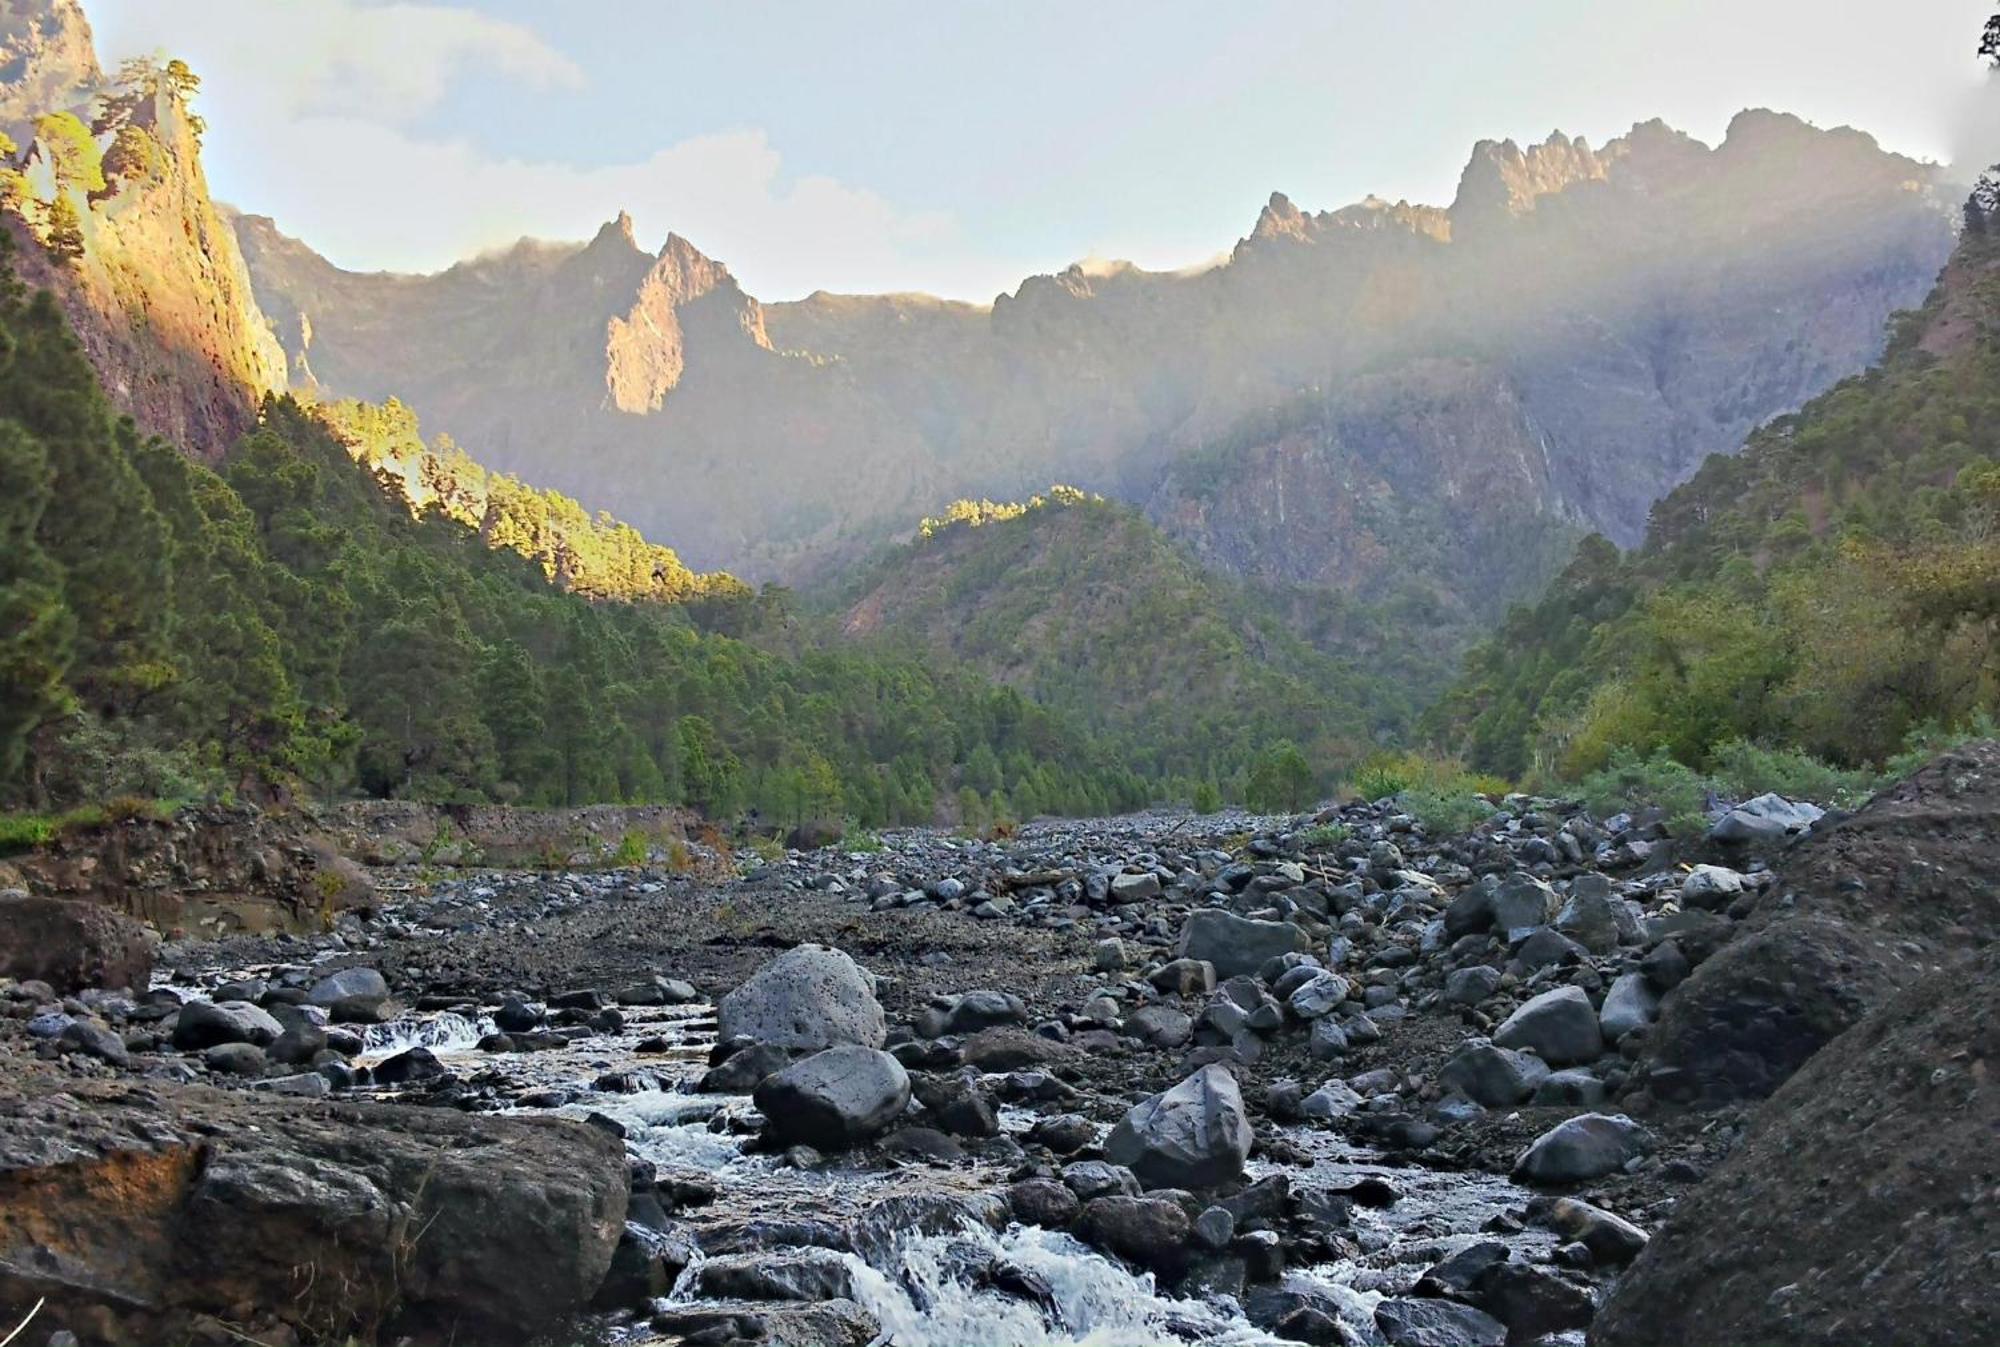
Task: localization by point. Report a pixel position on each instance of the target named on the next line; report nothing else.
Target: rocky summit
(1323, 1077)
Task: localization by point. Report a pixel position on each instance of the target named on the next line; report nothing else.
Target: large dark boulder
(73, 946)
(139, 1208)
(1859, 1208)
(1236, 945)
(834, 1099)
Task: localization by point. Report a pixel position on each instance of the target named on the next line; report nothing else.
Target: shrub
(1927, 741)
(767, 848)
(1326, 835)
(1207, 798)
(1445, 813)
(1741, 770)
(24, 832)
(864, 841)
(632, 849)
(1628, 782)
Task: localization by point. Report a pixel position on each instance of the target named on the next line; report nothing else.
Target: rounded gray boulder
(1559, 1026)
(807, 998)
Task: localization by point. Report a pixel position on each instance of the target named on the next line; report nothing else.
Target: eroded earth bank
(1144, 1080)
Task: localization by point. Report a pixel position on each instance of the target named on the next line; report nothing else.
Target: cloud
(315, 109)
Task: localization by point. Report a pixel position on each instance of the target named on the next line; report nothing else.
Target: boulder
(1320, 994)
(1610, 1238)
(1150, 1231)
(1134, 888)
(1630, 1004)
(1470, 986)
(1493, 1076)
(144, 1209)
(1236, 945)
(1559, 1026)
(1583, 1148)
(1159, 1026)
(1764, 821)
(834, 1099)
(72, 946)
(1522, 902)
(1196, 1135)
(351, 994)
(1711, 886)
(1048, 1203)
(984, 1009)
(1591, 917)
(203, 1024)
(808, 998)
(1437, 1323)
(1534, 1302)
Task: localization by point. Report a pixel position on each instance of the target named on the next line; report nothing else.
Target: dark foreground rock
(72, 945)
(136, 1209)
(1861, 1208)
(1860, 909)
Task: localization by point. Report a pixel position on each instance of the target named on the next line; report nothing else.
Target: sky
(957, 146)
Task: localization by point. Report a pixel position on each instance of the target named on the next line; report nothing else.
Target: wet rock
(1610, 1238)
(798, 1274)
(1583, 1148)
(1455, 1277)
(644, 1266)
(1064, 1134)
(1437, 1323)
(742, 1072)
(352, 995)
(1237, 945)
(410, 1066)
(1097, 1178)
(834, 1099)
(1559, 1026)
(72, 945)
(1195, 1135)
(1150, 1231)
(1312, 1325)
(1533, 1301)
(809, 997)
(516, 1016)
(204, 1024)
(1493, 1076)
(1215, 1227)
(826, 1323)
(1044, 1202)
(959, 1104)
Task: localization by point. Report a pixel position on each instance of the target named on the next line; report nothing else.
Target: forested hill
(283, 622)
(1835, 588)
(1088, 608)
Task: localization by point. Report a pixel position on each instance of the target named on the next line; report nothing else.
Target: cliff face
(1572, 337)
(151, 276)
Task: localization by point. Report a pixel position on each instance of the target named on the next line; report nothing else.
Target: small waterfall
(443, 1032)
(932, 1301)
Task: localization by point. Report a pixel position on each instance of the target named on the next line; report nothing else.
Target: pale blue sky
(955, 147)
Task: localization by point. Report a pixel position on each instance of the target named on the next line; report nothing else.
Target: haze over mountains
(1565, 342)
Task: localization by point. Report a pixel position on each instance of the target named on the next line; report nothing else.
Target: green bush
(633, 849)
(1628, 783)
(863, 840)
(24, 832)
(1927, 741)
(1445, 813)
(1323, 837)
(1740, 770)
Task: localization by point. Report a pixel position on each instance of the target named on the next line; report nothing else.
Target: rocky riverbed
(1147, 1080)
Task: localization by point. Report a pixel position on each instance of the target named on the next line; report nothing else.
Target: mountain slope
(108, 199)
(1581, 327)
(1835, 588)
(1090, 610)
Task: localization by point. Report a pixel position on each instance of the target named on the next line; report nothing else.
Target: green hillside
(1834, 589)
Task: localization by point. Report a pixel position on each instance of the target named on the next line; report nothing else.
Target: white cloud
(314, 109)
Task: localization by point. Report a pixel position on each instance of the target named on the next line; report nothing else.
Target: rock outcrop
(139, 1208)
(72, 945)
(1860, 1208)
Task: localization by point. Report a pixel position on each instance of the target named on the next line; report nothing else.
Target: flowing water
(911, 1237)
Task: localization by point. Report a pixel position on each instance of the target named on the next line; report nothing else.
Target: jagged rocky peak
(1502, 179)
(1281, 219)
(47, 57)
(646, 349)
